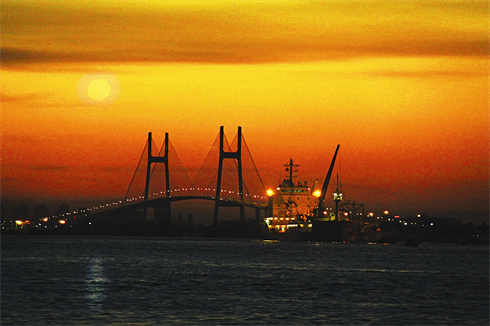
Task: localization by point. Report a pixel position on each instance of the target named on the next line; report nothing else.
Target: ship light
(18, 222)
(62, 221)
(310, 225)
(270, 192)
(317, 193)
(337, 196)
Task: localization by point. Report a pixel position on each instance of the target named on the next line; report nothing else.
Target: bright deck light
(317, 193)
(270, 192)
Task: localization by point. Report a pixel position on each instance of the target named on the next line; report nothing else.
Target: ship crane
(321, 199)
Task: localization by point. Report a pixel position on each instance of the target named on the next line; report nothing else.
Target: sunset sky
(402, 86)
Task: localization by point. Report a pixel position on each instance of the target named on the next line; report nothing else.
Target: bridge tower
(158, 159)
(229, 155)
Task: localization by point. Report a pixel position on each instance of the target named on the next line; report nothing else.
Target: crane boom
(325, 184)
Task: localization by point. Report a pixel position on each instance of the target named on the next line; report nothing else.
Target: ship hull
(322, 231)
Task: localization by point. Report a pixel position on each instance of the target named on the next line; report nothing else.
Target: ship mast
(291, 168)
(337, 196)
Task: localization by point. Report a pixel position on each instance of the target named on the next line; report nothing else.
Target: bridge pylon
(237, 155)
(157, 159)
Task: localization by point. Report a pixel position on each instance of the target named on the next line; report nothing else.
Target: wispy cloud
(209, 32)
(21, 98)
(48, 168)
(290, 51)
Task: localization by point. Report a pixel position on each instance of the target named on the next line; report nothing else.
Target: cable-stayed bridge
(228, 176)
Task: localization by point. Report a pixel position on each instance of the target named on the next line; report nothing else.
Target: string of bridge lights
(139, 198)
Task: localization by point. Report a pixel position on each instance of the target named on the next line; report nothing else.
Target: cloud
(48, 168)
(17, 55)
(248, 53)
(230, 33)
(21, 98)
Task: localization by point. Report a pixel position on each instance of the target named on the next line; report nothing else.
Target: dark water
(98, 281)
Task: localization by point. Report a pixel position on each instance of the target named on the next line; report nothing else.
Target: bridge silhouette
(161, 179)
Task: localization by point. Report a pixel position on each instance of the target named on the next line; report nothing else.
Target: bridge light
(270, 192)
(317, 193)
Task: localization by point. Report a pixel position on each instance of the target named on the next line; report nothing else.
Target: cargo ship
(296, 212)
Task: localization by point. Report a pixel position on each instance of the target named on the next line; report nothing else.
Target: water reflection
(95, 282)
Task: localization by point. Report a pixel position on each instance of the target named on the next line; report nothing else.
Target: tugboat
(296, 212)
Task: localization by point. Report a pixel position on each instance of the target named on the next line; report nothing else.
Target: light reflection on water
(121, 281)
(96, 282)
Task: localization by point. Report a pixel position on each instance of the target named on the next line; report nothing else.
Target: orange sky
(402, 86)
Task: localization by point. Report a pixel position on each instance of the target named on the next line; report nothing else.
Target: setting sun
(99, 89)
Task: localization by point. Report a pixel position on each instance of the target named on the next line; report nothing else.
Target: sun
(98, 89)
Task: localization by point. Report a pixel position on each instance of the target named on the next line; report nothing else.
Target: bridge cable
(253, 162)
(135, 171)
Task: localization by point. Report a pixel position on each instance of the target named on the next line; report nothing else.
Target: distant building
(21, 212)
(62, 209)
(40, 212)
(2, 217)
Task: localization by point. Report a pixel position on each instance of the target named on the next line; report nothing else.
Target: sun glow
(99, 89)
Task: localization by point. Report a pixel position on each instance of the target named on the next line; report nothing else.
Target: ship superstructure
(293, 204)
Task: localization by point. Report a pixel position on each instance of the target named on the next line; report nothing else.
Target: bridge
(161, 179)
